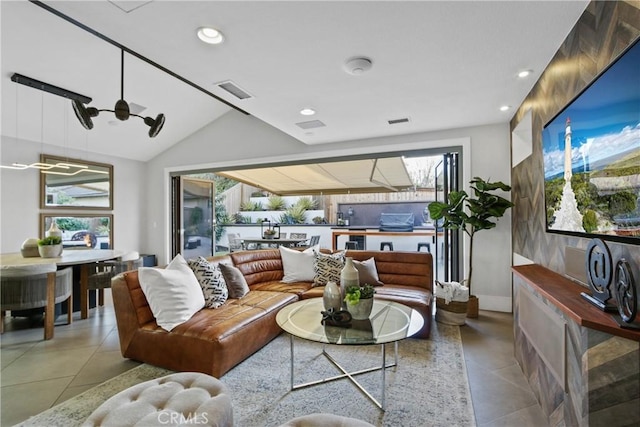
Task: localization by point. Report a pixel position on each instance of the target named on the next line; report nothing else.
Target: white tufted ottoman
(186, 398)
(325, 420)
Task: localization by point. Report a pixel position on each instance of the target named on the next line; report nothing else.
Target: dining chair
(100, 278)
(24, 289)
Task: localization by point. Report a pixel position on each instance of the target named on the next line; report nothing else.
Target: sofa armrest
(126, 317)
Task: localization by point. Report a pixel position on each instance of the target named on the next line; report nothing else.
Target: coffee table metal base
(350, 375)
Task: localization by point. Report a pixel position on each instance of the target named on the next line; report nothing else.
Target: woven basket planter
(453, 313)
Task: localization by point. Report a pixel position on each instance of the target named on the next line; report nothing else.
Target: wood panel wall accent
(604, 31)
(602, 369)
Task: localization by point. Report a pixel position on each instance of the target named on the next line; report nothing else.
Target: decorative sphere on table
(331, 297)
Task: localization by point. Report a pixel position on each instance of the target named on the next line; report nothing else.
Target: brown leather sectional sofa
(215, 340)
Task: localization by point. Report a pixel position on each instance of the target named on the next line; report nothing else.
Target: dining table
(70, 257)
(280, 242)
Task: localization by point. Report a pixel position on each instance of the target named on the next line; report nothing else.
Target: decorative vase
(53, 230)
(50, 251)
(332, 296)
(268, 236)
(348, 277)
(361, 310)
(30, 248)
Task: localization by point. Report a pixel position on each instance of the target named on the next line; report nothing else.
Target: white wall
(236, 139)
(19, 195)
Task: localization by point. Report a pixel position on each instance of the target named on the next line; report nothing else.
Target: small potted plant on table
(50, 247)
(359, 301)
(269, 233)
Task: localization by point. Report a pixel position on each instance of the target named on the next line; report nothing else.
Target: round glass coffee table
(390, 322)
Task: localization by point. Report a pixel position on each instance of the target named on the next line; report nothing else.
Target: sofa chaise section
(212, 341)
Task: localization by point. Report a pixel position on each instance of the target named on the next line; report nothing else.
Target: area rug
(429, 387)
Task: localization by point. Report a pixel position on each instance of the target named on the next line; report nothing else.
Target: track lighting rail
(133, 53)
(37, 84)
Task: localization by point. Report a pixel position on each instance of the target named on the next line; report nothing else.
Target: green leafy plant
(318, 220)
(471, 215)
(51, 240)
(294, 215)
(238, 218)
(251, 206)
(306, 203)
(354, 294)
(276, 203)
(269, 232)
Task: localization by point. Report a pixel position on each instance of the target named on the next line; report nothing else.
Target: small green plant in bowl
(50, 247)
(51, 240)
(269, 233)
(354, 294)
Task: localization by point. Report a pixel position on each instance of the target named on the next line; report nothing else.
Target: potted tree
(462, 212)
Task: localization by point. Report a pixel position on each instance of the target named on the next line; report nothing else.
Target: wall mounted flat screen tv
(591, 154)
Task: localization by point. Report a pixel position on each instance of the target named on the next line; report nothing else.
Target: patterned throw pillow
(211, 281)
(327, 268)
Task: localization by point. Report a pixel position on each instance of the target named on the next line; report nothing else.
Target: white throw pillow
(174, 293)
(298, 265)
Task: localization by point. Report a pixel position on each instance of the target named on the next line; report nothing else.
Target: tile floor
(38, 374)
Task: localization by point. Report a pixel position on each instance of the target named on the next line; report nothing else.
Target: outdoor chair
(314, 240)
(351, 244)
(298, 236)
(235, 242)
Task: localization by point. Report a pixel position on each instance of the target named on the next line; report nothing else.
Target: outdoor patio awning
(352, 176)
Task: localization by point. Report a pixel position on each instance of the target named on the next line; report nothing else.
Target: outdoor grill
(396, 222)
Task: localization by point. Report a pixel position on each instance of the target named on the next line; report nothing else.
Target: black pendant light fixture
(121, 109)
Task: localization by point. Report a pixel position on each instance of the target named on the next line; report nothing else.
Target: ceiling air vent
(234, 90)
(311, 124)
(396, 121)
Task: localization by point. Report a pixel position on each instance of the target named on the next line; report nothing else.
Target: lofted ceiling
(439, 64)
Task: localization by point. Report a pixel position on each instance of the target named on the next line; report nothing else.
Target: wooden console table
(583, 367)
(565, 294)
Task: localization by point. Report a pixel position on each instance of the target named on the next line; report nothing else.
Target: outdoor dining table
(82, 257)
(280, 242)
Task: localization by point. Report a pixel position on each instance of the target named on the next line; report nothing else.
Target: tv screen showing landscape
(591, 154)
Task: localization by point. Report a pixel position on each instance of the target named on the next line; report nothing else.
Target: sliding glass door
(447, 251)
(193, 217)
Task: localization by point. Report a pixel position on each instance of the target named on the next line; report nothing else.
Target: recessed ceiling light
(307, 111)
(524, 73)
(505, 107)
(210, 35)
(357, 65)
